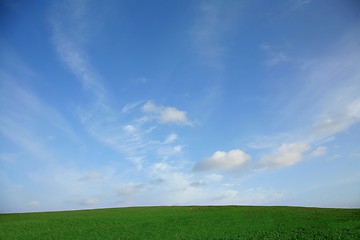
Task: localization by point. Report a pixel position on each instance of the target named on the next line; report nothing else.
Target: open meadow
(192, 222)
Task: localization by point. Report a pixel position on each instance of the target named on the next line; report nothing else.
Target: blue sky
(128, 103)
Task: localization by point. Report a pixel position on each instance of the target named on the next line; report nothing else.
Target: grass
(226, 222)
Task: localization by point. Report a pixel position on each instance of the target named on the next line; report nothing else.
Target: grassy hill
(192, 222)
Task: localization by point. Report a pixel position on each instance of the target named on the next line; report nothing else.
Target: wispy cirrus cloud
(274, 57)
(296, 4)
(329, 98)
(319, 151)
(130, 106)
(336, 122)
(70, 33)
(131, 137)
(171, 138)
(27, 121)
(213, 22)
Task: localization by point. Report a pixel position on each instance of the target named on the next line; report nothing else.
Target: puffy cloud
(286, 155)
(166, 114)
(220, 160)
(170, 114)
(319, 151)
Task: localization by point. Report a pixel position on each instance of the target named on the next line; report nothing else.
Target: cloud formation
(171, 138)
(99, 117)
(318, 152)
(338, 121)
(165, 114)
(226, 161)
(214, 21)
(286, 155)
(24, 116)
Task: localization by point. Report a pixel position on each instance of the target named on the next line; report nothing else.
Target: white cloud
(170, 114)
(130, 106)
(166, 114)
(177, 149)
(328, 93)
(264, 142)
(338, 121)
(170, 138)
(74, 58)
(286, 155)
(129, 129)
(220, 160)
(169, 151)
(150, 106)
(319, 151)
(160, 166)
(328, 99)
(70, 33)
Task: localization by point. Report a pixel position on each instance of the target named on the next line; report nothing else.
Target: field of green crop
(228, 222)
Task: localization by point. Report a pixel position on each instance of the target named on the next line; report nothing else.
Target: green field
(228, 222)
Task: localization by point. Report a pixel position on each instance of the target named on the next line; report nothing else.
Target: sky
(163, 103)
